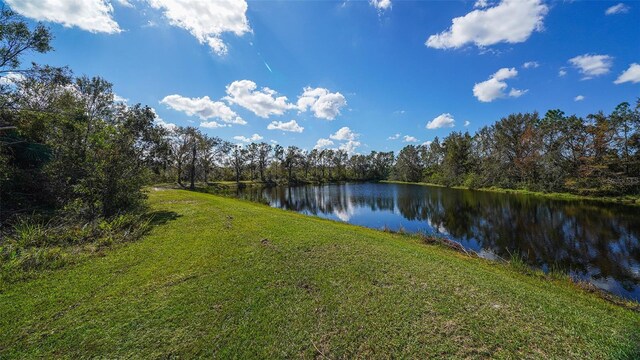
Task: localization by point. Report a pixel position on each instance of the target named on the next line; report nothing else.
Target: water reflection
(594, 241)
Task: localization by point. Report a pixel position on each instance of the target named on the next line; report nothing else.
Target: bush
(34, 244)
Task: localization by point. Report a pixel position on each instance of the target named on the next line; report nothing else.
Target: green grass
(231, 279)
(624, 199)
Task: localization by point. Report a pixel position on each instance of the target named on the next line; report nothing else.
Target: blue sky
(354, 73)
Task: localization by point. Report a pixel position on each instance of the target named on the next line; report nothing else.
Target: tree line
(596, 155)
(196, 157)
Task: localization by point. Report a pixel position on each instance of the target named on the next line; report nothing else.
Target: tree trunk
(193, 169)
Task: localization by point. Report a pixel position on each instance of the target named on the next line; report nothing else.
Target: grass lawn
(230, 279)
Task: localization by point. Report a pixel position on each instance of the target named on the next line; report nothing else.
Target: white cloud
(408, 139)
(466, 123)
(344, 134)
(11, 78)
(323, 103)
(394, 137)
(263, 102)
(212, 125)
(381, 4)
(617, 9)
(204, 108)
(291, 126)
(578, 98)
(323, 143)
(441, 121)
(207, 20)
(632, 74)
(562, 72)
(254, 137)
(350, 146)
(120, 99)
(125, 3)
(159, 121)
(427, 143)
(90, 15)
(495, 87)
(517, 92)
(592, 65)
(481, 4)
(511, 21)
(530, 64)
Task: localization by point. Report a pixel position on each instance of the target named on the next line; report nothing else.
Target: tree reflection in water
(595, 241)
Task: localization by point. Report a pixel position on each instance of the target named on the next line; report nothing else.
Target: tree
(408, 165)
(278, 154)
(264, 156)
(458, 161)
(17, 39)
(292, 159)
(237, 160)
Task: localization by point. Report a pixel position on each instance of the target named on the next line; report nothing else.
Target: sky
(356, 75)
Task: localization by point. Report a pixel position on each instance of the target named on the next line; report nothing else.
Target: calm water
(594, 241)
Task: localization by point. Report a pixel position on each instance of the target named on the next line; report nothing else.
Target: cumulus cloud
(207, 20)
(119, 99)
(495, 87)
(323, 103)
(11, 78)
(323, 143)
(409, 139)
(562, 72)
(90, 15)
(511, 21)
(346, 136)
(479, 4)
(381, 4)
(441, 121)
(263, 102)
(291, 126)
(254, 138)
(394, 137)
(212, 124)
(350, 146)
(617, 9)
(530, 64)
(578, 98)
(204, 108)
(159, 121)
(466, 123)
(632, 74)
(591, 65)
(427, 143)
(344, 133)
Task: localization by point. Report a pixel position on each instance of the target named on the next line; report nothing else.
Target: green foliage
(35, 244)
(16, 39)
(596, 156)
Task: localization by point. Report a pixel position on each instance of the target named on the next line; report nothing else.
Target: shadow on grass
(162, 217)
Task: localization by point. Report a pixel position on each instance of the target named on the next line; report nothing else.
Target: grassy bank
(626, 199)
(227, 278)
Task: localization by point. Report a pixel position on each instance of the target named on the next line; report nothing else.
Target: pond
(593, 241)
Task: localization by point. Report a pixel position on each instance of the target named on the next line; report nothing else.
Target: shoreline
(629, 200)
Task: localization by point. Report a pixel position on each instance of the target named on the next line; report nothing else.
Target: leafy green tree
(409, 164)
